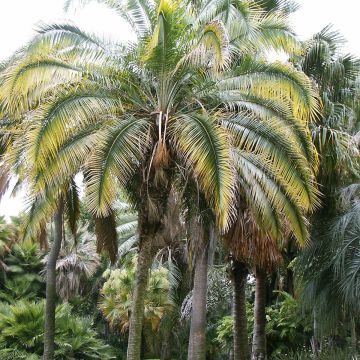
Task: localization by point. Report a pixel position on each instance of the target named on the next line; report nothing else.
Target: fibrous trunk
(259, 337)
(197, 341)
(49, 334)
(241, 346)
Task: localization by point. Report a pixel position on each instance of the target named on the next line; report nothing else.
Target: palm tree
(131, 116)
(116, 294)
(76, 262)
(250, 248)
(49, 334)
(336, 76)
(201, 232)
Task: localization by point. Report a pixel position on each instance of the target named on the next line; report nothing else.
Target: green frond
(277, 82)
(214, 38)
(55, 121)
(119, 149)
(41, 207)
(271, 197)
(27, 77)
(204, 147)
(274, 33)
(275, 144)
(138, 13)
(63, 36)
(286, 6)
(72, 207)
(69, 158)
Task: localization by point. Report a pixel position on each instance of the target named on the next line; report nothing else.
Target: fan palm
(131, 116)
(116, 294)
(22, 281)
(21, 334)
(75, 263)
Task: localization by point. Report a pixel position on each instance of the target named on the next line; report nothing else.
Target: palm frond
(203, 146)
(120, 147)
(106, 236)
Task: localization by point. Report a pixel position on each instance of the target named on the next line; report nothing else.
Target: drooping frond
(71, 110)
(273, 82)
(274, 144)
(138, 13)
(106, 236)
(287, 6)
(203, 146)
(272, 201)
(120, 147)
(72, 208)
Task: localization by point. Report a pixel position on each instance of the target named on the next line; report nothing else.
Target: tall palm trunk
(145, 258)
(197, 341)
(150, 227)
(259, 337)
(49, 335)
(241, 346)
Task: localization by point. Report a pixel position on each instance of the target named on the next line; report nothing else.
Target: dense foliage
(21, 334)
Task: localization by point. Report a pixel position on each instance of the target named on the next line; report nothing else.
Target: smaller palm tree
(116, 295)
(77, 262)
(21, 278)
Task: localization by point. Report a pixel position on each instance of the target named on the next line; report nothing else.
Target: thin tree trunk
(144, 261)
(259, 337)
(166, 344)
(197, 341)
(49, 334)
(314, 340)
(241, 346)
(353, 335)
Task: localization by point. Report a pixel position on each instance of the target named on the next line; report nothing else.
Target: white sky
(20, 18)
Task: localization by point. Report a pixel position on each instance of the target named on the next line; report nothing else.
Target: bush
(21, 279)
(326, 355)
(21, 334)
(288, 328)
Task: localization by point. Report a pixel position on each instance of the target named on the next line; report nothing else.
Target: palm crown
(183, 96)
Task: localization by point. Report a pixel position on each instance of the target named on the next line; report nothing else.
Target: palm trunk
(314, 340)
(197, 341)
(150, 226)
(166, 344)
(353, 335)
(241, 346)
(144, 261)
(259, 337)
(49, 334)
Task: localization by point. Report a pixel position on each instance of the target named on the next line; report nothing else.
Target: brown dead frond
(249, 244)
(106, 236)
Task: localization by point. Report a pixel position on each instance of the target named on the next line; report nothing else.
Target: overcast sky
(20, 18)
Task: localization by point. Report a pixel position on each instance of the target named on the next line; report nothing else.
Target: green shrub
(21, 280)
(288, 328)
(326, 355)
(21, 334)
